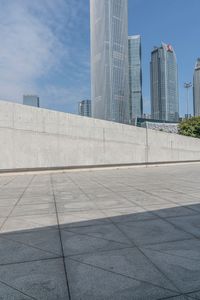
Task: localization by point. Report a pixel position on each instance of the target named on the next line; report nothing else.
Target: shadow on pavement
(143, 255)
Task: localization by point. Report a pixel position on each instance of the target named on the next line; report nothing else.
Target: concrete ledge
(150, 164)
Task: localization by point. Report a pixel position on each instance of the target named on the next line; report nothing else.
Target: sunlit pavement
(101, 234)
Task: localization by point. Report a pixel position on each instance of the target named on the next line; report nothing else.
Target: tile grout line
(7, 183)
(171, 201)
(70, 229)
(60, 237)
(26, 244)
(73, 257)
(121, 274)
(15, 289)
(30, 261)
(140, 250)
(133, 243)
(167, 219)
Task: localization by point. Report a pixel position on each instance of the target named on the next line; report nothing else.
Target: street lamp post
(187, 86)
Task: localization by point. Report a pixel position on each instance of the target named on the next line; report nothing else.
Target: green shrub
(190, 127)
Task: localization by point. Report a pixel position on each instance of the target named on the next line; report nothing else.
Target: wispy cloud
(41, 50)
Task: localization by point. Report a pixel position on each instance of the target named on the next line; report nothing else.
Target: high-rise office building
(135, 76)
(84, 108)
(109, 60)
(31, 100)
(164, 84)
(196, 89)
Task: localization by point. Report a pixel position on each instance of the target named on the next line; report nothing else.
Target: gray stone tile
(10, 202)
(182, 297)
(183, 272)
(14, 224)
(195, 295)
(15, 252)
(1, 221)
(100, 193)
(8, 293)
(166, 194)
(71, 197)
(36, 200)
(82, 218)
(146, 199)
(74, 206)
(37, 193)
(74, 243)
(152, 232)
(171, 211)
(42, 280)
(44, 239)
(128, 262)
(185, 199)
(105, 231)
(190, 224)
(128, 214)
(33, 209)
(189, 249)
(104, 203)
(5, 211)
(195, 207)
(89, 283)
(84, 223)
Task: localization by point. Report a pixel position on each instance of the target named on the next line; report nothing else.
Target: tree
(190, 127)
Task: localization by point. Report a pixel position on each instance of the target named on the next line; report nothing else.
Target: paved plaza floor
(129, 233)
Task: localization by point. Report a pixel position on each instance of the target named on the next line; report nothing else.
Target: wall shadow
(147, 255)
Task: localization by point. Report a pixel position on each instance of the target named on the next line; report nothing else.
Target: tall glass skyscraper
(135, 76)
(84, 108)
(196, 89)
(109, 60)
(31, 100)
(164, 84)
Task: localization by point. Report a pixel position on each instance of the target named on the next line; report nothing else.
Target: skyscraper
(84, 108)
(109, 60)
(135, 76)
(31, 100)
(196, 88)
(164, 84)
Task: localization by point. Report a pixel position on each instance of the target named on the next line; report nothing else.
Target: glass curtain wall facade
(109, 60)
(84, 108)
(196, 89)
(31, 100)
(135, 77)
(164, 84)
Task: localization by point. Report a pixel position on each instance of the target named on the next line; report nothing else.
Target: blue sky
(46, 46)
(172, 21)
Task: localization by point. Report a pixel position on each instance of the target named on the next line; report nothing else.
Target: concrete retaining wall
(40, 138)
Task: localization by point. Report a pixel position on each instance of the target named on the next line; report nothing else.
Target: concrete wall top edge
(12, 114)
(18, 108)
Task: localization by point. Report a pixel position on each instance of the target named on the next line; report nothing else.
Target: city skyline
(61, 75)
